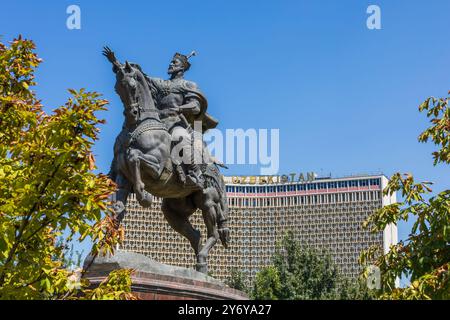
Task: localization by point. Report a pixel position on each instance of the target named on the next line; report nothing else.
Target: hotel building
(324, 213)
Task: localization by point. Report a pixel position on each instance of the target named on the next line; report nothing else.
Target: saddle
(209, 171)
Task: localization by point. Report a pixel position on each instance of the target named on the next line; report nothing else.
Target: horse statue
(143, 164)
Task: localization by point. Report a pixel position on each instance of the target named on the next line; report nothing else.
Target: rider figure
(181, 103)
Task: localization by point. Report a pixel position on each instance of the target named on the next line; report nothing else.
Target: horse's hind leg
(206, 200)
(177, 212)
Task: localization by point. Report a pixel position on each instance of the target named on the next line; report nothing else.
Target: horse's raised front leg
(120, 198)
(144, 198)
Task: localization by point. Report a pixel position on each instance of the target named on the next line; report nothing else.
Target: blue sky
(344, 97)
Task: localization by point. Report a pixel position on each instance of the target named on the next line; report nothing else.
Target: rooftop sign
(290, 178)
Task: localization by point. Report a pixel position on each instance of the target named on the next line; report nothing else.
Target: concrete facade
(326, 214)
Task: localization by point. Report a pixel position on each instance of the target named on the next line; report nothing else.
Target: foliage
(425, 255)
(300, 273)
(267, 284)
(47, 187)
(353, 289)
(72, 258)
(237, 281)
(438, 132)
(116, 287)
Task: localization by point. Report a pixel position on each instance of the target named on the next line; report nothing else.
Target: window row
(305, 200)
(305, 186)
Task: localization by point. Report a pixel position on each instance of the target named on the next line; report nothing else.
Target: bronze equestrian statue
(156, 153)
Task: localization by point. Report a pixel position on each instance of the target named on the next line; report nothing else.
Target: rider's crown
(184, 59)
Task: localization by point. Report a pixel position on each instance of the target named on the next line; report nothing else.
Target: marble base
(156, 281)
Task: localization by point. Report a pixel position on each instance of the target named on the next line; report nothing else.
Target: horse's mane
(137, 66)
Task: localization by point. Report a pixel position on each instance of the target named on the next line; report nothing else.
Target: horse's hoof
(146, 200)
(224, 234)
(118, 207)
(202, 267)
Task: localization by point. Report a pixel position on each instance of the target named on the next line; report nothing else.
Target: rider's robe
(189, 91)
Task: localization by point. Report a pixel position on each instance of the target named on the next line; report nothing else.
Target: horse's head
(134, 91)
(153, 139)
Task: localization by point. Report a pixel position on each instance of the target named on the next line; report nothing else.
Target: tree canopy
(424, 256)
(47, 187)
(302, 273)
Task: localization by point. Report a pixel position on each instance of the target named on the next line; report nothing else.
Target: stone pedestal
(156, 281)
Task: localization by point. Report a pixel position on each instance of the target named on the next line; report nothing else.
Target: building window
(343, 184)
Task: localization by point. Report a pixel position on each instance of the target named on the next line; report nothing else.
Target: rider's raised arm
(109, 54)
